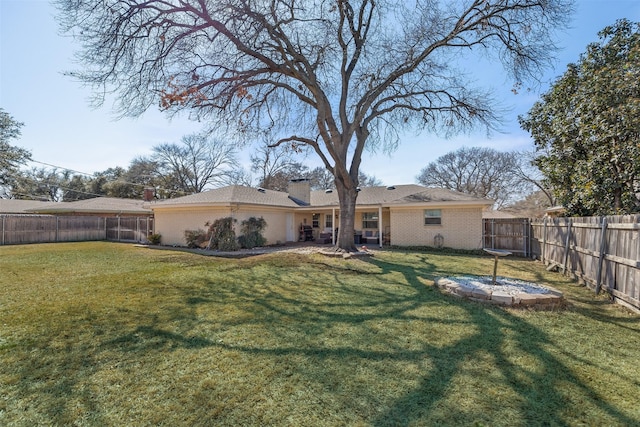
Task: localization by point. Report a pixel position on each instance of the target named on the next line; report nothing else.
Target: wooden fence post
(3, 229)
(566, 248)
(603, 248)
(544, 239)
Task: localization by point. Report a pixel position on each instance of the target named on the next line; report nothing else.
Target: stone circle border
(551, 300)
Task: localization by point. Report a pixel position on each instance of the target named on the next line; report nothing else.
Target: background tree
(78, 187)
(480, 172)
(334, 76)
(40, 184)
(321, 179)
(197, 163)
(587, 127)
(11, 158)
(276, 167)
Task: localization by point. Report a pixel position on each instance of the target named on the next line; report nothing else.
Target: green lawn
(106, 334)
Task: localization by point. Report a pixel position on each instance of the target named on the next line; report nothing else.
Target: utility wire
(95, 175)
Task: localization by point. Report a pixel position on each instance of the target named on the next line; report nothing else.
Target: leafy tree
(40, 183)
(481, 172)
(331, 75)
(77, 188)
(587, 127)
(197, 163)
(10, 157)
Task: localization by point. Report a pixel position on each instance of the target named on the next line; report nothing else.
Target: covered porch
(372, 225)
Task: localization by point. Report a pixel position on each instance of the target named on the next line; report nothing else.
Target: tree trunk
(347, 197)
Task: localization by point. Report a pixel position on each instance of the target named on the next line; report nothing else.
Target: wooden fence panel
(22, 229)
(79, 228)
(604, 252)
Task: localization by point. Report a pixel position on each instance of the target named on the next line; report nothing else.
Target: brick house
(403, 215)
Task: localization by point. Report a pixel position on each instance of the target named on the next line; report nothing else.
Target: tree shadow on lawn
(292, 317)
(541, 398)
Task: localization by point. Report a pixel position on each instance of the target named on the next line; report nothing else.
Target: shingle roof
(96, 205)
(14, 206)
(231, 195)
(497, 215)
(397, 195)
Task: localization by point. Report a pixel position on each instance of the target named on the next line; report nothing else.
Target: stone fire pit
(506, 291)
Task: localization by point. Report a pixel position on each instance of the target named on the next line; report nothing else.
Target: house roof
(408, 194)
(491, 214)
(232, 194)
(386, 196)
(95, 205)
(14, 206)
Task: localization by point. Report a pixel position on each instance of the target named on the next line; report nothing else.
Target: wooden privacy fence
(604, 252)
(21, 229)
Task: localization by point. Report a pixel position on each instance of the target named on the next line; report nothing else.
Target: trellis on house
(603, 252)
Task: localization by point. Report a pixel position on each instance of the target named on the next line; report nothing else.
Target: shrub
(195, 238)
(222, 235)
(155, 239)
(251, 236)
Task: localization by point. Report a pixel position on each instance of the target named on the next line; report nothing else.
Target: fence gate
(129, 229)
(512, 234)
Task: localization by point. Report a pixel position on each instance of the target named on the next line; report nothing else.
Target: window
(432, 217)
(315, 221)
(370, 220)
(328, 221)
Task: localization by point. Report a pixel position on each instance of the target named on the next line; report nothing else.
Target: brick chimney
(149, 194)
(300, 191)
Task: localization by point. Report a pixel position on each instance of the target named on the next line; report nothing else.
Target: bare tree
(197, 163)
(481, 172)
(321, 179)
(331, 75)
(276, 167)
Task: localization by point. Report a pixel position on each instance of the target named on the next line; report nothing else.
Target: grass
(102, 334)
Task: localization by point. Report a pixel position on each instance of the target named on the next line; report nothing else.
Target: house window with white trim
(328, 221)
(315, 220)
(432, 216)
(370, 220)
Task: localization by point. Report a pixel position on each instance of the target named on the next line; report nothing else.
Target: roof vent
(328, 190)
(262, 190)
(391, 187)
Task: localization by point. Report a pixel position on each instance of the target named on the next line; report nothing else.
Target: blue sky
(61, 129)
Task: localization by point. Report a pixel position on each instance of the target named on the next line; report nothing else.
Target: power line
(95, 176)
(63, 168)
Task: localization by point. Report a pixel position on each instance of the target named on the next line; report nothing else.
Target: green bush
(195, 238)
(222, 235)
(155, 239)
(251, 236)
